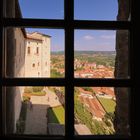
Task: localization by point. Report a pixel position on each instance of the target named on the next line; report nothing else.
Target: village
(98, 101)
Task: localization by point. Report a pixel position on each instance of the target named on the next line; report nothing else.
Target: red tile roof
(93, 106)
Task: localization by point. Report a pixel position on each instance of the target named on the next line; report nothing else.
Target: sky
(96, 40)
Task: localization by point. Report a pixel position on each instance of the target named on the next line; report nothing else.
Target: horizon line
(88, 50)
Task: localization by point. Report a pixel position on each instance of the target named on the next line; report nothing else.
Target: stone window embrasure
(121, 122)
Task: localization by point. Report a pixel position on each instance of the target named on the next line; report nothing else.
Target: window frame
(69, 24)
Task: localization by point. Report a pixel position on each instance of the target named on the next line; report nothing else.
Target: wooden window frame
(69, 24)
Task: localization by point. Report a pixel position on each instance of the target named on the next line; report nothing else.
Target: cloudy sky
(98, 40)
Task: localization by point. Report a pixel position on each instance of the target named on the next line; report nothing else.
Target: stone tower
(37, 55)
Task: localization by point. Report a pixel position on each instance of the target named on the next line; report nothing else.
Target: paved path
(82, 129)
(36, 121)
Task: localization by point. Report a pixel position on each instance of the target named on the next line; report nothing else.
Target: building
(16, 58)
(19, 69)
(15, 67)
(37, 56)
(28, 54)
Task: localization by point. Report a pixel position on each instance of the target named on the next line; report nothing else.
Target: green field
(108, 104)
(56, 115)
(39, 93)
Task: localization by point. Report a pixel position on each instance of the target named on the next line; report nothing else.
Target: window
(33, 65)
(69, 82)
(37, 50)
(29, 50)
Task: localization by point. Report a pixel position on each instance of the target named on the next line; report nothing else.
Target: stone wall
(10, 12)
(13, 47)
(121, 122)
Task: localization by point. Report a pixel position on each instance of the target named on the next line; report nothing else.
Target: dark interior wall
(121, 121)
(10, 12)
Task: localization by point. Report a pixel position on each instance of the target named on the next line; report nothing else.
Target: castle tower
(37, 56)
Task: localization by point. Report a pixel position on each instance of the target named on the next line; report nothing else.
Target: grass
(39, 93)
(108, 104)
(56, 115)
(55, 74)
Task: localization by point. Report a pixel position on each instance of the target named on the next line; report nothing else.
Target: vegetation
(108, 119)
(39, 93)
(35, 90)
(96, 127)
(110, 116)
(26, 98)
(55, 74)
(108, 104)
(56, 115)
(28, 90)
(62, 90)
(106, 58)
(85, 117)
(88, 89)
(94, 52)
(99, 59)
(76, 93)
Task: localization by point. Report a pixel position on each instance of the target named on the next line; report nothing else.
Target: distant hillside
(57, 53)
(86, 52)
(95, 52)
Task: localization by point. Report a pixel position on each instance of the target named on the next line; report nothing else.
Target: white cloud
(88, 37)
(108, 36)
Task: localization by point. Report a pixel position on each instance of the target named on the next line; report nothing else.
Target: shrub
(88, 89)
(28, 90)
(110, 116)
(40, 93)
(37, 89)
(26, 98)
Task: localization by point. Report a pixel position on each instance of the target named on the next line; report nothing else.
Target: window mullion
(69, 68)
